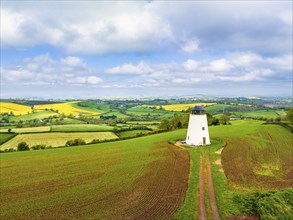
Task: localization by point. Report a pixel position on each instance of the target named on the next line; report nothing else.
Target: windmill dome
(198, 110)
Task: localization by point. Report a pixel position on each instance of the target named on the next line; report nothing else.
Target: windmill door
(204, 141)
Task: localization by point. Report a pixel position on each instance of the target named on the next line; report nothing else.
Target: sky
(108, 49)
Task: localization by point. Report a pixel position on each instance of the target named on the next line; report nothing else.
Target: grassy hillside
(55, 139)
(260, 113)
(132, 133)
(143, 178)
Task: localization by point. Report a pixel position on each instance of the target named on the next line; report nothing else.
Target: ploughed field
(142, 178)
(262, 159)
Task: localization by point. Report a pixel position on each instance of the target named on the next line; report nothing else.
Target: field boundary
(15, 134)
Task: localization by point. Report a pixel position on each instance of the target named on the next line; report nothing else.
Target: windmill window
(203, 128)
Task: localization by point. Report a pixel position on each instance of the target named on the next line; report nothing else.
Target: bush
(75, 142)
(95, 141)
(22, 146)
(38, 147)
(9, 150)
(69, 143)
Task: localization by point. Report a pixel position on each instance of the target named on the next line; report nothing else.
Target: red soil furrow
(212, 196)
(202, 211)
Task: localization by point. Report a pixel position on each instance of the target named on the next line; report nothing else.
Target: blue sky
(94, 49)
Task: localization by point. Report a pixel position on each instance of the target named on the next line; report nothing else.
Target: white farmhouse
(198, 131)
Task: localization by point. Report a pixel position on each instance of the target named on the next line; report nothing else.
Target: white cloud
(244, 59)
(101, 28)
(84, 80)
(190, 46)
(221, 65)
(250, 76)
(43, 69)
(139, 26)
(129, 68)
(179, 80)
(235, 67)
(191, 65)
(94, 80)
(73, 61)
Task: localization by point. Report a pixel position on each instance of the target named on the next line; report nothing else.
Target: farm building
(198, 131)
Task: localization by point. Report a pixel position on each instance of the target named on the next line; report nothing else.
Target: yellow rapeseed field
(16, 109)
(180, 107)
(64, 108)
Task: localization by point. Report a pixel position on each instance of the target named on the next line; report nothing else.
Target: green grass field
(142, 178)
(28, 130)
(114, 112)
(55, 139)
(81, 127)
(5, 137)
(144, 122)
(72, 121)
(148, 111)
(31, 116)
(259, 113)
(132, 133)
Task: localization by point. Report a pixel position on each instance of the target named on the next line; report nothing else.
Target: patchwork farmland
(139, 177)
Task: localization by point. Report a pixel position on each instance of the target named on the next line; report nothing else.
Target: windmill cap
(197, 108)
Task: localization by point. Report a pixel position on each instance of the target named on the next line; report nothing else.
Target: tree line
(181, 121)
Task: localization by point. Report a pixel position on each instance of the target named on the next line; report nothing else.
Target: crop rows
(262, 159)
(136, 178)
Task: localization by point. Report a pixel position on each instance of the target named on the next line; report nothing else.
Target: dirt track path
(202, 210)
(205, 165)
(212, 195)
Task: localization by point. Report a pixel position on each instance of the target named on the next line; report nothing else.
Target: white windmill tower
(198, 131)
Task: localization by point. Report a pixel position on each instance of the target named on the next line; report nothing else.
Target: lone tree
(224, 120)
(22, 146)
(289, 115)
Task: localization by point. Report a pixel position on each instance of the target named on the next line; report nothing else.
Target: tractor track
(205, 165)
